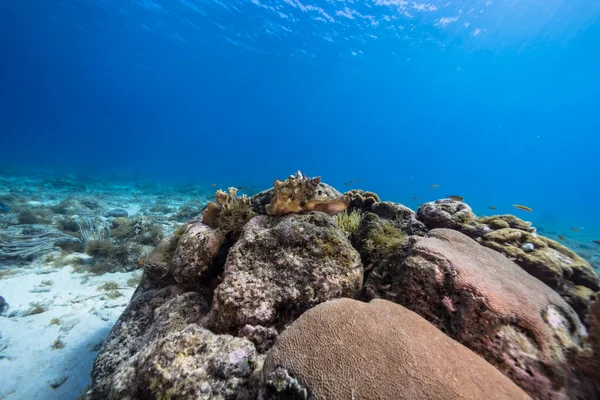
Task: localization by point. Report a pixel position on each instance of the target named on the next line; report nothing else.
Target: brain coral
(490, 304)
(345, 349)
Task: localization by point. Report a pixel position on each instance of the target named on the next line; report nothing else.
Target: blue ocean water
(493, 100)
(144, 107)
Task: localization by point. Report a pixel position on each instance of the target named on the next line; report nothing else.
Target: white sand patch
(29, 365)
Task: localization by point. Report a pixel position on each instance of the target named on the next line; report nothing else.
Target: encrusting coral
(299, 193)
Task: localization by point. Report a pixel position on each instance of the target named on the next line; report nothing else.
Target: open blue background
(495, 101)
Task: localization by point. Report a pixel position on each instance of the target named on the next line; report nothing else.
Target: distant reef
(303, 292)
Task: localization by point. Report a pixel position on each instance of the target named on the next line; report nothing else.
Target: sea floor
(64, 295)
(61, 301)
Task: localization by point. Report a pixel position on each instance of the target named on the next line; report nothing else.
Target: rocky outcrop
(196, 258)
(190, 364)
(489, 304)
(217, 295)
(281, 267)
(549, 261)
(451, 214)
(345, 349)
(401, 216)
(152, 315)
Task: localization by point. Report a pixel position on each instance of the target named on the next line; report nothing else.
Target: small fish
(524, 208)
(213, 184)
(351, 180)
(575, 229)
(346, 183)
(359, 180)
(212, 197)
(457, 198)
(4, 207)
(434, 186)
(597, 242)
(415, 198)
(492, 207)
(561, 237)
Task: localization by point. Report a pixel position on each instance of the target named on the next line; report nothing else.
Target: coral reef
(280, 267)
(552, 263)
(255, 277)
(191, 363)
(345, 349)
(27, 242)
(151, 315)
(489, 304)
(451, 214)
(549, 261)
(401, 216)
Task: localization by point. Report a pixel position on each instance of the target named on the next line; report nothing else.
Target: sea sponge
(345, 349)
(299, 193)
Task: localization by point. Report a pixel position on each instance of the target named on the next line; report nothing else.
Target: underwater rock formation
(345, 349)
(451, 214)
(151, 315)
(549, 261)
(486, 302)
(281, 267)
(196, 256)
(217, 296)
(401, 216)
(190, 364)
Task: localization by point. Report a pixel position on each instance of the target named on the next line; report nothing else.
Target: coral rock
(488, 303)
(279, 268)
(401, 216)
(345, 349)
(157, 266)
(506, 221)
(190, 364)
(547, 260)
(452, 214)
(151, 315)
(196, 256)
